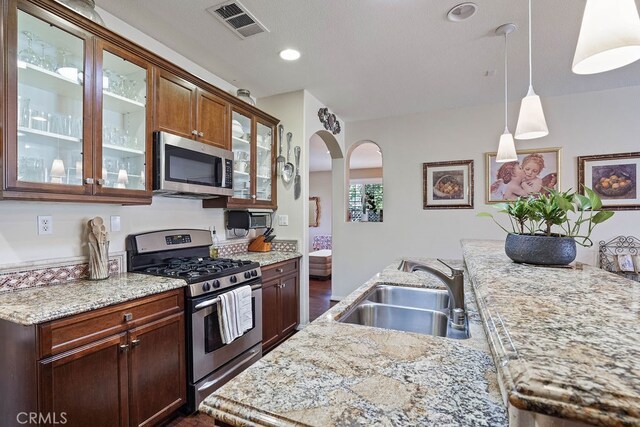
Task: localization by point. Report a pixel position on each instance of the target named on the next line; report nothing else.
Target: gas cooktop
(196, 269)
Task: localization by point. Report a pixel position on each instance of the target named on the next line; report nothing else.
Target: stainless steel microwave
(190, 169)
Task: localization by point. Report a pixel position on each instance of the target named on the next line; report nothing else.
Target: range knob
(233, 279)
(206, 287)
(254, 273)
(216, 284)
(247, 275)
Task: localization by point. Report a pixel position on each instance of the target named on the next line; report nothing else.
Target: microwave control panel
(228, 173)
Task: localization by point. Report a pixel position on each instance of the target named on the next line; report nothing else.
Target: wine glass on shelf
(45, 60)
(28, 54)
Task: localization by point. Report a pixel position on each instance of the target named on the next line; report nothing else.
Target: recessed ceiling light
(462, 11)
(289, 54)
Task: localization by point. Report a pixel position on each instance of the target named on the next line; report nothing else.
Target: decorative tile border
(52, 272)
(285, 245)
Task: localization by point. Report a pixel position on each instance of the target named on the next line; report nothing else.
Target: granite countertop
(335, 373)
(42, 304)
(566, 340)
(267, 258)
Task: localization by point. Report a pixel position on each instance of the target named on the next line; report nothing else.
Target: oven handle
(217, 299)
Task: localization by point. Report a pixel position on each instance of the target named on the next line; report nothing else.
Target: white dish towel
(234, 313)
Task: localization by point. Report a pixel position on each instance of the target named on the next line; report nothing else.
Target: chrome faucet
(454, 284)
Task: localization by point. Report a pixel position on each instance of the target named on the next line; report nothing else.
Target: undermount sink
(428, 322)
(423, 311)
(426, 299)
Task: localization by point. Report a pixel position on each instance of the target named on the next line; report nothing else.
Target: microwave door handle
(218, 171)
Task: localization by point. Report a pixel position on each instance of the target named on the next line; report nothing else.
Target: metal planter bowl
(540, 250)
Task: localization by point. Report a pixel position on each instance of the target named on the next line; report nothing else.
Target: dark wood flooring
(319, 302)
(319, 298)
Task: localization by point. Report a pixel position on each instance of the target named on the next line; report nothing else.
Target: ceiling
(378, 58)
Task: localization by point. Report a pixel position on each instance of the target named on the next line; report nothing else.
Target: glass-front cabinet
(51, 107)
(264, 162)
(123, 121)
(252, 142)
(79, 129)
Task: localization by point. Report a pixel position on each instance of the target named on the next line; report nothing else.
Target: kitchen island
(334, 373)
(566, 340)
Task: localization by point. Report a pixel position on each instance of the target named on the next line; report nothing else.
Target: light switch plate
(115, 223)
(283, 219)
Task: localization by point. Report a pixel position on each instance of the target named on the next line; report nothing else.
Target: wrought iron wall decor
(621, 245)
(329, 121)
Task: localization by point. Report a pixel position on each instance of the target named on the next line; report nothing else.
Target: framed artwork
(535, 171)
(614, 177)
(314, 211)
(625, 263)
(448, 185)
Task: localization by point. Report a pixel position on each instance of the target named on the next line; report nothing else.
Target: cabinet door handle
(88, 181)
(279, 270)
(200, 134)
(124, 347)
(135, 343)
(284, 285)
(128, 317)
(100, 181)
(194, 132)
(253, 196)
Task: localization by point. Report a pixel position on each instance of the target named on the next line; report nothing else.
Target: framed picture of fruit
(448, 185)
(614, 177)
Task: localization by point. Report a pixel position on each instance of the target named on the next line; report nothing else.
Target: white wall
(583, 124)
(298, 112)
(320, 186)
(19, 241)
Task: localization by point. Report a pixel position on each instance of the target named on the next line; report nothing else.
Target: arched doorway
(364, 185)
(323, 150)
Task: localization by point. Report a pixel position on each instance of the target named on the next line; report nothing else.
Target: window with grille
(365, 202)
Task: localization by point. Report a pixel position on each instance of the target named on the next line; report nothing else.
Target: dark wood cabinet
(122, 365)
(76, 132)
(186, 110)
(280, 302)
(88, 385)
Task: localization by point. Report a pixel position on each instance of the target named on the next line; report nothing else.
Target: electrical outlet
(45, 224)
(283, 219)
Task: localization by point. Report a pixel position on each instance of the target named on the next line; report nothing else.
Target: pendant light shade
(506, 148)
(609, 36)
(531, 121)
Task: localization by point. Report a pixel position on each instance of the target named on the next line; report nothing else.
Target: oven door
(208, 351)
(186, 166)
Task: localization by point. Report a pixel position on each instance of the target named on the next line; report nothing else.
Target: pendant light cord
(506, 84)
(530, 62)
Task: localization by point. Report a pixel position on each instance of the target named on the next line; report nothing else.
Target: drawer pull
(279, 270)
(128, 317)
(124, 347)
(200, 134)
(135, 343)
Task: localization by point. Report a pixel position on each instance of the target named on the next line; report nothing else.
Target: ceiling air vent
(239, 20)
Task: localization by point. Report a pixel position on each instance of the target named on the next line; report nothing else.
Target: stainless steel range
(184, 254)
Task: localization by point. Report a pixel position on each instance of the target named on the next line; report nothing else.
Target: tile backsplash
(57, 271)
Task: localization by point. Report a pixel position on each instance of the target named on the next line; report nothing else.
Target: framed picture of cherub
(534, 172)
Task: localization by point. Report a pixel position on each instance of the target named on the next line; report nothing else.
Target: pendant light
(531, 121)
(506, 147)
(609, 36)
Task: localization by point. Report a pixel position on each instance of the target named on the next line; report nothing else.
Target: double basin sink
(424, 311)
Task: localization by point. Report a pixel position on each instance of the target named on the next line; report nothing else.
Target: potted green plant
(546, 228)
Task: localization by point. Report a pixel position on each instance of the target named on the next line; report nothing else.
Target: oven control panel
(232, 280)
(178, 239)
